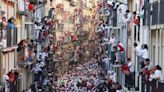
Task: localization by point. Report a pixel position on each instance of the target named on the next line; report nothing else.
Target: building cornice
(8, 49)
(153, 27)
(13, 1)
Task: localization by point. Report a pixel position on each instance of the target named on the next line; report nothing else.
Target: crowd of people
(44, 67)
(93, 75)
(88, 78)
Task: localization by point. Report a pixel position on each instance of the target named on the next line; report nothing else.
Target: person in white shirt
(112, 76)
(138, 52)
(157, 75)
(44, 55)
(39, 55)
(6, 82)
(112, 42)
(130, 65)
(121, 11)
(132, 74)
(149, 65)
(119, 89)
(128, 16)
(137, 49)
(144, 53)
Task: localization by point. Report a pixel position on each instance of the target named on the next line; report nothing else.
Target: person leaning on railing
(156, 75)
(125, 69)
(145, 72)
(132, 73)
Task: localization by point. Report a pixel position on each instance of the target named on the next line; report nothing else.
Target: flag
(140, 4)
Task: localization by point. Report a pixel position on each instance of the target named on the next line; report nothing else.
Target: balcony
(152, 86)
(29, 18)
(22, 13)
(8, 38)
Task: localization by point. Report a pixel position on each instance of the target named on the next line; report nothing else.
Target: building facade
(11, 35)
(8, 46)
(154, 24)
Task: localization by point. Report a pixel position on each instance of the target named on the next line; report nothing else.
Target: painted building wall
(8, 55)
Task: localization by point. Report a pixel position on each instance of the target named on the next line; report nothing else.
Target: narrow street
(81, 46)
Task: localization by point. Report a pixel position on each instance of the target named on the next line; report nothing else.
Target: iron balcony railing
(152, 86)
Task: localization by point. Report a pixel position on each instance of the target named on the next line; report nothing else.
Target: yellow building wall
(7, 54)
(18, 21)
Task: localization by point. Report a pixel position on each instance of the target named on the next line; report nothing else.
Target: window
(29, 28)
(161, 19)
(155, 13)
(11, 37)
(147, 14)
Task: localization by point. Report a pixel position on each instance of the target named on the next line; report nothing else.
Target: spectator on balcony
(157, 74)
(5, 83)
(127, 19)
(132, 73)
(144, 53)
(121, 11)
(114, 55)
(11, 23)
(2, 13)
(149, 65)
(121, 50)
(3, 28)
(3, 23)
(112, 76)
(31, 45)
(13, 76)
(26, 51)
(38, 28)
(111, 43)
(146, 71)
(125, 69)
(37, 71)
(128, 16)
(137, 50)
(106, 61)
